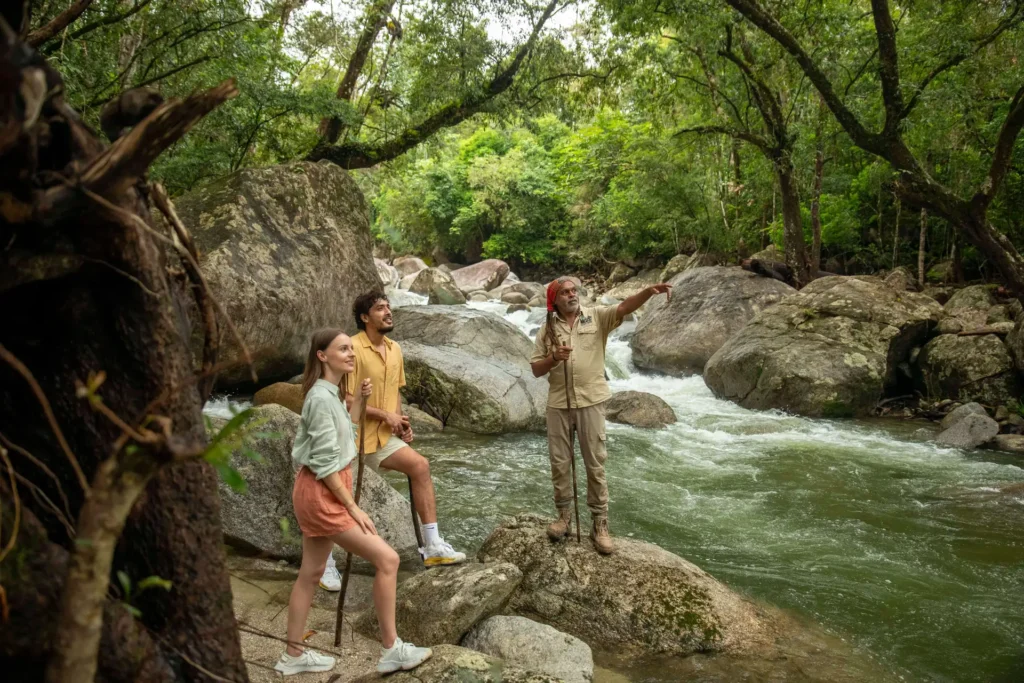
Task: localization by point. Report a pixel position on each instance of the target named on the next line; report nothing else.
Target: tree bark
(921, 247)
(86, 287)
(792, 222)
(819, 175)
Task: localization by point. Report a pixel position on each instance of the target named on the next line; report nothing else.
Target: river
(907, 550)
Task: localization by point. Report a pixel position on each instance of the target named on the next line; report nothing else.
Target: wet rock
(961, 412)
(969, 432)
(635, 285)
(540, 302)
(283, 394)
(479, 296)
(285, 249)
(485, 275)
(515, 308)
(388, 274)
(532, 290)
(400, 297)
(641, 599)
(514, 298)
(968, 368)
(453, 664)
(708, 306)
(526, 644)
(252, 520)
(830, 350)
(441, 605)
(1002, 414)
(472, 366)
(1009, 443)
(422, 423)
(639, 409)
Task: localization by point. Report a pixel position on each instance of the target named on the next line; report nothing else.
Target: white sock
(430, 533)
(331, 564)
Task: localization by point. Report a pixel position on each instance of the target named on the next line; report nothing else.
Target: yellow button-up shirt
(588, 338)
(386, 374)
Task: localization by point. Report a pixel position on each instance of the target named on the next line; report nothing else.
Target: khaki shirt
(387, 377)
(587, 338)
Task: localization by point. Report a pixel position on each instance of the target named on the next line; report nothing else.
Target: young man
(388, 432)
(576, 337)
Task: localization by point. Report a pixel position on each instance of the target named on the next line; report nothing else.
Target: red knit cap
(552, 293)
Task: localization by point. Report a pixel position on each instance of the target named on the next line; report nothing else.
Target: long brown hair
(320, 340)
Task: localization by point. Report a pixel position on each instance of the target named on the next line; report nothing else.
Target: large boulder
(514, 298)
(675, 265)
(708, 306)
(408, 265)
(830, 350)
(968, 368)
(970, 432)
(1015, 344)
(441, 605)
(635, 285)
(252, 519)
(472, 366)
(485, 275)
(620, 273)
(285, 249)
(388, 274)
(970, 306)
(639, 409)
(454, 664)
(902, 280)
(641, 599)
(960, 412)
(531, 290)
(438, 286)
(283, 394)
(526, 644)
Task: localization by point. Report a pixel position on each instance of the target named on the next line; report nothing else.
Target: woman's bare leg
(315, 550)
(375, 550)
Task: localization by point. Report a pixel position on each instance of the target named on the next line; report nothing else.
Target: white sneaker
(402, 656)
(307, 661)
(441, 553)
(331, 580)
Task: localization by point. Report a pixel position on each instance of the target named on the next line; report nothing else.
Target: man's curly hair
(365, 302)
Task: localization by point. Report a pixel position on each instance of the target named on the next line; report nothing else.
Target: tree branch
(745, 135)
(862, 137)
(1003, 153)
(362, 155)
(888, 66)
(58, 23)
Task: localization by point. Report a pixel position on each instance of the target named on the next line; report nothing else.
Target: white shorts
(393, 445)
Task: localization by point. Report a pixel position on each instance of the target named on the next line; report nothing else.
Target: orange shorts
(318, 511)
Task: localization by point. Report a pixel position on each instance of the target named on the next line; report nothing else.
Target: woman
(327, 513)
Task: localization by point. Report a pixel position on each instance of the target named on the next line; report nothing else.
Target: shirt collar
(364, 340)
(333, 388)
(579, 315)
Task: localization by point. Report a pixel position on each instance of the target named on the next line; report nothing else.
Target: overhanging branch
(58, 23)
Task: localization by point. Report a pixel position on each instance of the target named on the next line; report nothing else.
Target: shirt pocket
(587, 337)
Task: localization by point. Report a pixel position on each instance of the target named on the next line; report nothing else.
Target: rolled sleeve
(540, 345)
(325, 449)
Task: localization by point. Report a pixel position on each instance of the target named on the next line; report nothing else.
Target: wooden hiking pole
(348, 555)
(415, 519)
(572, 429)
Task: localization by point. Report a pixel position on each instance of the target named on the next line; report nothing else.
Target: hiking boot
(559, 528)
(402, 656)
(600, 536)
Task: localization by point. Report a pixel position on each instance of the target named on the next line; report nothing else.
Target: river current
(911, 552)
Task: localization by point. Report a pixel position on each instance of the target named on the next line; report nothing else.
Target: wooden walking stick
(348, 555)
(412, 503)
(572, 429)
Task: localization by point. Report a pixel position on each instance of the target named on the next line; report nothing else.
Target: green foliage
(235, 437)
(129, 591)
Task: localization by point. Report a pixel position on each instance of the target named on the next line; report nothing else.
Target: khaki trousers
(591, 436)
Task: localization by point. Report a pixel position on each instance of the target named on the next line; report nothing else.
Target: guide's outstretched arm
(640, 298)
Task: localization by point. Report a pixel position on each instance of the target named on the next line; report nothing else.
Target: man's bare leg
(413, 465)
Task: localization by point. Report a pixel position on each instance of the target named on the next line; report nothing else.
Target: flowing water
(912, 552)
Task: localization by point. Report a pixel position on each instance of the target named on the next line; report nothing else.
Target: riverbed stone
(454, 664)
(283, 394)
(252, 520)
(969, 432)
(642, 599)
(472, 366)
(960, 412)
(968, 368)
(510, 297)
(409, 265)
(708, 306)
(970, 305)
(388, 274)
(1008, 443)
(438, 286)
(636, 284)
(639, 409)
(530, 645)
(531, 289)
(285, 250)
(441, 605)
(422, 422)
(485, 275)
(830, 350)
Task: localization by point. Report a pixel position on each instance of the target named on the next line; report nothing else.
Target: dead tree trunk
(100, 399)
